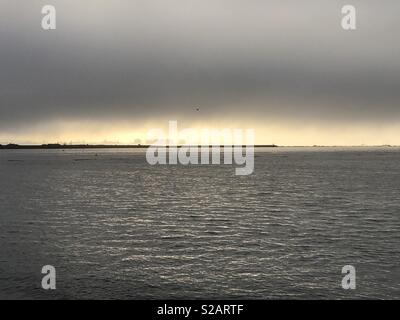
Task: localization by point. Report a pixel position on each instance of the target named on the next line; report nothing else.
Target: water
(116, 227)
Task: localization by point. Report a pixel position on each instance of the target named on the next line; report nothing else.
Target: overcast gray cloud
(145, 59)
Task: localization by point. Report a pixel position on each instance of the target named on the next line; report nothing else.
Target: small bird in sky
(197, 109)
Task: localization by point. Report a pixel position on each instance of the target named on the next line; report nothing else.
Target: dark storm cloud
(144, 59)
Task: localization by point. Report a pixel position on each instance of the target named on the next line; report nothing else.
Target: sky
(112, 70)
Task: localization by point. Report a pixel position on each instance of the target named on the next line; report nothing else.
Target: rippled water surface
(116, 227)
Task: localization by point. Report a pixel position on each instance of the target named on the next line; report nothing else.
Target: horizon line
(10, 146)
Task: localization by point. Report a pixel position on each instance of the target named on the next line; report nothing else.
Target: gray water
(117, 228)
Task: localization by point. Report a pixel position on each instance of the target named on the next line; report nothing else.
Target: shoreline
(99, 146)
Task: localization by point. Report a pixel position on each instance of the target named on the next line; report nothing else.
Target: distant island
(13, 146)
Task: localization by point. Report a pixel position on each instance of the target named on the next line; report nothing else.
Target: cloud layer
(156, 59)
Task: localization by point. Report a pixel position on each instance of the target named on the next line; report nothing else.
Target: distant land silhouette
(99, 146)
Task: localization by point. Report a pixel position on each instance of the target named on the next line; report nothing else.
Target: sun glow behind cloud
(269, 132)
